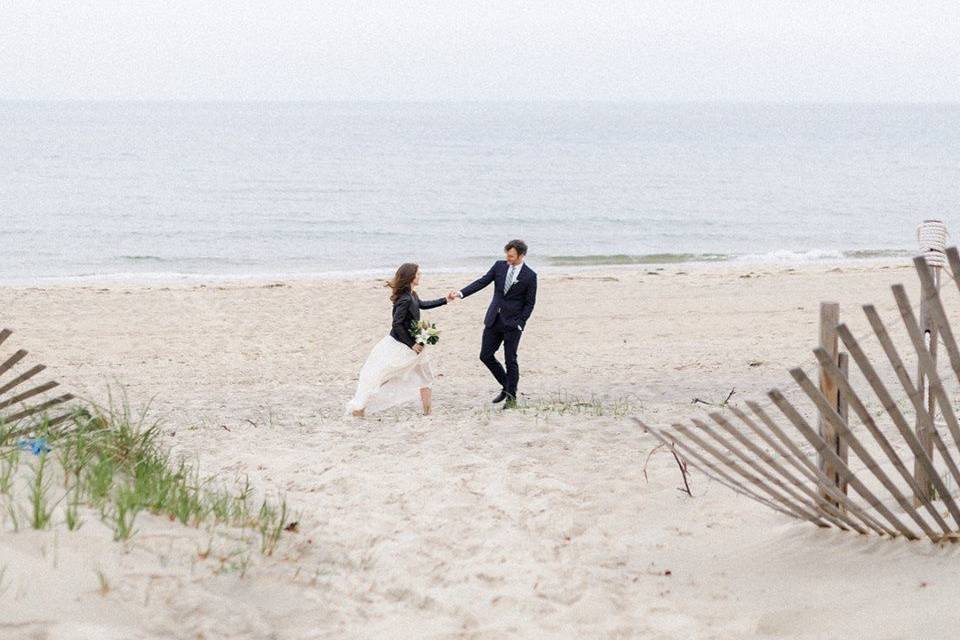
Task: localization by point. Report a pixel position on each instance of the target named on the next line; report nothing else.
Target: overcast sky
(808, 50)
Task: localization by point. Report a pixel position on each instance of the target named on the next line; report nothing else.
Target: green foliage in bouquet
(425, 332)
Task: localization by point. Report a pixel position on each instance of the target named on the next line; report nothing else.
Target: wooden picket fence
(891, 472)
(19, 406)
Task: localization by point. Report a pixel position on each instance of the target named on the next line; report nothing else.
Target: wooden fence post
(932, 237)
(829, 341)
(929, 328)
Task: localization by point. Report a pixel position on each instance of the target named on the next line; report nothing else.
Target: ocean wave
(143, 258)
(624, 259)
(787, 256)
(199, 262)
(779, 257)
(878, 253)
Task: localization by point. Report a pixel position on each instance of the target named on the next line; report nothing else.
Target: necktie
(509, 282)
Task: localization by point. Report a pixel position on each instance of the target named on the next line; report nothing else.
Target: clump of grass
(241, 505)
(9, 461)
(125, 512)
(220, 505)
(39, 500)
(114, 463)
(6, 434)
(104, 583)
(73, 509)
(14, 516)
(272, 523)
(97, 481)
(561, 403)
(75, 453)
(237, 561)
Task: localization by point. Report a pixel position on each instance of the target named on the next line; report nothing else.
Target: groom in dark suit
(514, 295)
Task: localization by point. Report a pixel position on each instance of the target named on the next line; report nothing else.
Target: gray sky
(894, 51)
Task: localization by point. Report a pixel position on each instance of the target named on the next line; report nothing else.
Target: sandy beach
(470, 523)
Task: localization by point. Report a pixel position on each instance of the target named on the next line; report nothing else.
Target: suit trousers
(509, 337)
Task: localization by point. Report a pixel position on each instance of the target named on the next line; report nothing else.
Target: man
(514, 296)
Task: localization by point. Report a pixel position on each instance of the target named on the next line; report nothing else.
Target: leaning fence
(873, 453)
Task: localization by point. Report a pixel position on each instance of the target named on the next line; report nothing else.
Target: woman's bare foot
(427, 410)
(358, 413)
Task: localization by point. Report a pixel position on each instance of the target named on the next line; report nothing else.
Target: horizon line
(645, 101)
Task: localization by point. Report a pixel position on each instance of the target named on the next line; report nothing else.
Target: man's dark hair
(519, 245)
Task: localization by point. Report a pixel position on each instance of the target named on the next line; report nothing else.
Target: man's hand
(453, 295)
(417, 347)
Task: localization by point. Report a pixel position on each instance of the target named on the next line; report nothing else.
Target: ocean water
(193, 190)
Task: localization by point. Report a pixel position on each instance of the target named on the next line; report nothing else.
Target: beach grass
(39, 490)
(111, 464)
(562, 403)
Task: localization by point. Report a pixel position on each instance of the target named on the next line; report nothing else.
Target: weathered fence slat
(21, 378)
(833, 513)
(753, 480)
(802, 463)
(30, 402)
(905, 381)
(709, 469)
(26, 395)
(809, 506)
(12, 360)
(927, 365)
(820, 446)
(26, 413)
(869, 461)
(896, 416)
(867, 420)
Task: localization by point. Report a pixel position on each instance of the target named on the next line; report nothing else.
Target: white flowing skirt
(392, 375)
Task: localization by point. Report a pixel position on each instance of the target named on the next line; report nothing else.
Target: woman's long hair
(403, 280)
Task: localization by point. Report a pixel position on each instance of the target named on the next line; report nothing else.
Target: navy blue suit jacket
(517, 304)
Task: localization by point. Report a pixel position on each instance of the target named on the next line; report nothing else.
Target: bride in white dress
(398, 368)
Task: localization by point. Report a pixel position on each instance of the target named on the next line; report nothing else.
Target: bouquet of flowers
(425, 332)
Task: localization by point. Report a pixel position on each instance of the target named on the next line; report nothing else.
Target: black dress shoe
(500, 398)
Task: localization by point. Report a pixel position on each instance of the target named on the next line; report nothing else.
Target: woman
(398, 366)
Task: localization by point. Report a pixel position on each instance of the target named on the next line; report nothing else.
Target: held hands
(453, 295)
